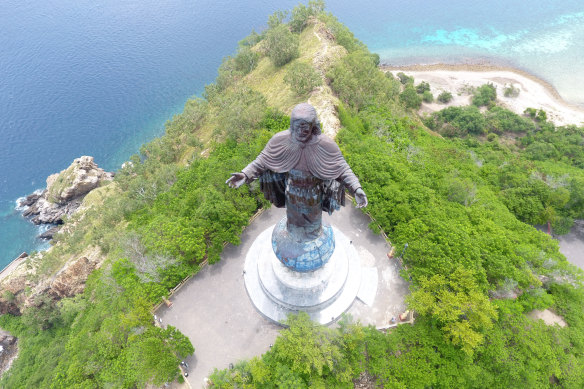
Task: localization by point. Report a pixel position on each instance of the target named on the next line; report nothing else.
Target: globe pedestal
(277, 290)
(299, 253)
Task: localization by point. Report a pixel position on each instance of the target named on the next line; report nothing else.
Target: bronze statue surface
(304, 171)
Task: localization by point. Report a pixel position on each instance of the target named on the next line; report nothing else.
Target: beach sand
(456, 79)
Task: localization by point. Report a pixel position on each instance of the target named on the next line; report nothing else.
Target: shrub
(485, 95)
(427, 96)
(405, 79)
(536, 114)
(410, 98)
(276, 19)
(251, 40)
(358, 82)
(246, 60)
(423, 87)
(444, 97)
(240, 111)
(281, 45)
(511, 91)
(301, 14)
(302, 78)
(492, 137)
(531, 112)
(458, 121)
(500, 120)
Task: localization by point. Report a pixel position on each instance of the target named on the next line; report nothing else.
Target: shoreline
(479, 67)
(534, 91)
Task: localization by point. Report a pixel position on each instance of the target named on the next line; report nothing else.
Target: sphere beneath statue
(301, 254)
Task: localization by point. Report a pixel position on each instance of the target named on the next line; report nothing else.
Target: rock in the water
(65, 192)
(48, 234)
(30, 199)
(77, 180)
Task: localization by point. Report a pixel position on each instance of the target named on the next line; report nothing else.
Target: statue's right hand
(236, 180)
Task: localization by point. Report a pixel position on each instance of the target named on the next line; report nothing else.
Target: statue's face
(302, 130)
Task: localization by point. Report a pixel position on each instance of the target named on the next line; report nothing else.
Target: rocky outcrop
(48, 234)
(20, 291)
(71, 280)
(64, 193)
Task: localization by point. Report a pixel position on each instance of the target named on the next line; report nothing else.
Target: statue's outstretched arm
(248, 174)
(236, 180)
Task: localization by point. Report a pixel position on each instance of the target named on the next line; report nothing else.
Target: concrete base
(324, 294)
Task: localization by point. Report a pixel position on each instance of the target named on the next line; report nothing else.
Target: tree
(302, 78)
(511, 91)
(276, 19)
(246, 60)
(410, 98)
(485, 95)
(445, 97)
(281, 45)
(427, 96)
(404, 79)
(423, 87)
(301, 14)
(240, 110)
(457, 304)
(358, 82)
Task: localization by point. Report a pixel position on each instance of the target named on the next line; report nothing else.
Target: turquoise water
(101, 77)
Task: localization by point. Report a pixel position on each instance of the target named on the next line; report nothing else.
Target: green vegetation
(358, 82)
(462, 202)
(445, 198)
(427, 97)
(63, 181)
(281, 45)
(302, 78)
(540, 186)
(301, 14)
(511, 91)
(485, 95)
(404, 79)
(444, 97)
(422, 87)
(410, 98)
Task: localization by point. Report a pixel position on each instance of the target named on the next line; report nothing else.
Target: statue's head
(304, 122)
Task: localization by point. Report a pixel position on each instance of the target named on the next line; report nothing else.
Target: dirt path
(323, 98)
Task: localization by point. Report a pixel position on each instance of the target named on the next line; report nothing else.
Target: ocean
(102, 77)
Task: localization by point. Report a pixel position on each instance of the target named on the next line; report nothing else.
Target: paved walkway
(214, 311)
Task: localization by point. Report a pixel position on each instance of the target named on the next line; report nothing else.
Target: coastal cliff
(24, 283)
(64, 193)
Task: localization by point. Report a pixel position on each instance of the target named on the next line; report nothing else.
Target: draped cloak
(320, 155)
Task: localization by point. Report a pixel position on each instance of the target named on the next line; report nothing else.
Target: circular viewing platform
(325, 293)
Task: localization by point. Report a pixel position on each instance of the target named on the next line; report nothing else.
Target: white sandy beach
(534, 93)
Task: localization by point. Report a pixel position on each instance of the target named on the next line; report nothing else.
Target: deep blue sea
(101, 77)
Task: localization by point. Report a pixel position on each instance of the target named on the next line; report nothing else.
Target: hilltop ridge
(458, 207)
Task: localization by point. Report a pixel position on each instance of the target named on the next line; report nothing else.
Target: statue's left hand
(361, 198)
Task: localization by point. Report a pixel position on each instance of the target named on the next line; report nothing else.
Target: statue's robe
(320, 156)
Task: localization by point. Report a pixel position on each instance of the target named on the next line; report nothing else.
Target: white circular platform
(324, 294)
